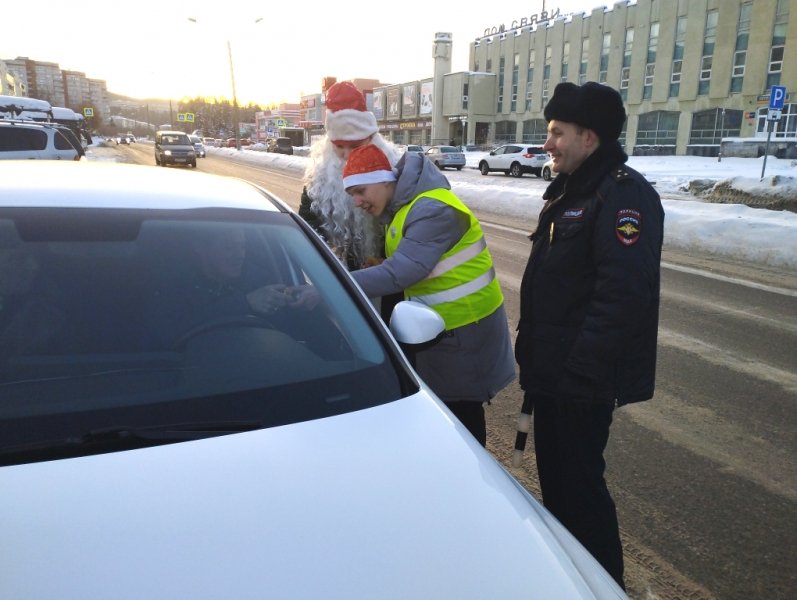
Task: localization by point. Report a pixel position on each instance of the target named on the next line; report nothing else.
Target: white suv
(34, 140)
(514, 160)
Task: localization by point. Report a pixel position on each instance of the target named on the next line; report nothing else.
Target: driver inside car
(220, 284)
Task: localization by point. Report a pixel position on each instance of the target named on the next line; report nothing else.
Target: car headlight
(167, 152)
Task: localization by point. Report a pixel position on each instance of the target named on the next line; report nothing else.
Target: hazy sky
(149, 48)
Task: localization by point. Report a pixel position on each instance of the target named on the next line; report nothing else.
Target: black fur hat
(592, 105)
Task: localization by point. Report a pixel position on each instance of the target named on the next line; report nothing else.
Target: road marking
(743, 282)
(717, 356)
(690, 270)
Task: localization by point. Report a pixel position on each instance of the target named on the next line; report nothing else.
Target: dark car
(282, 145)
(174, 148)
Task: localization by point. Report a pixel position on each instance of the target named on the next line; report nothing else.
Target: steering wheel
(255, 321)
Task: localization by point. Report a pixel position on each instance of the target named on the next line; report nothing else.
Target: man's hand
(304, 296)
(269, 298)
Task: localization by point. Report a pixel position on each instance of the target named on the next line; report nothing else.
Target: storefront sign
(523, 22)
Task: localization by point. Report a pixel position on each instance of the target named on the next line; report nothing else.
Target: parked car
(288, 451)
(446, 156)
(548, 172)
(174, 148)
(36, 140)
(514, 160)
(199, 146)
(283, 145)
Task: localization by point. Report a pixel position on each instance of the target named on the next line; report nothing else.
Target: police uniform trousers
(569, 440)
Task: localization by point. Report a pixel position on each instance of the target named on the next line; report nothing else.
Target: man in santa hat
(354, 235)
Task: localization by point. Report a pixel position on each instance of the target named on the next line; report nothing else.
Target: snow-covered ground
(757, 235)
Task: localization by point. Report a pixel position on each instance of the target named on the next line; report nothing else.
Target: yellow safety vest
(462, 287)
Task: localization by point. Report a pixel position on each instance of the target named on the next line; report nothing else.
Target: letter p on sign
(777, 97)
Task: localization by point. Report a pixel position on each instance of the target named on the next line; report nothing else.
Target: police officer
(436, 254)
(589, 307)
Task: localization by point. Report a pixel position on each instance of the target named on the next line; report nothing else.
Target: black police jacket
(589, 300)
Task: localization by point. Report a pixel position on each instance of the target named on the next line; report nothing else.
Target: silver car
(199, 145)
(199, 402)
(446, 156)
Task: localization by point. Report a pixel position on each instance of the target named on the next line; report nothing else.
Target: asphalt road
(704, 475)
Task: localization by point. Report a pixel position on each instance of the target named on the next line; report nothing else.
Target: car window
(22, 138)
(119, 318)
(61, 141)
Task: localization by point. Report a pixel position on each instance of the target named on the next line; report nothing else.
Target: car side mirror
(415, 323)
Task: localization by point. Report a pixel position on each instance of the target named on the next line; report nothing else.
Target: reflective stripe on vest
(462, 286)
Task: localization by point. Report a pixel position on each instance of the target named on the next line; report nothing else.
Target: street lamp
(236, 117)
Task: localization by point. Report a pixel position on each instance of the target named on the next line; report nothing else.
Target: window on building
(501, 65)
(535, 131)
(657, 128)
(515, 75)
(740, 52)
(489, 65)
(604, 66)
(582, 69)
(778, 43)
(546, 69)
(650, 66)
(710, 126)
(677, 57)
(465, 97)
(544, 92)
(505, 132)
(625, 71)
(704, 82)
(565, 60)
(529, 81)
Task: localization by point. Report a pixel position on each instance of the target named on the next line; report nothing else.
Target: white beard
(348, 229)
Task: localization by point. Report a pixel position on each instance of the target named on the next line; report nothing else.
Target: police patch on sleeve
(628, 226)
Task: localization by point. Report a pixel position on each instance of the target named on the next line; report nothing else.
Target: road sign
(773, 114)
(88, 111)
(777, 97)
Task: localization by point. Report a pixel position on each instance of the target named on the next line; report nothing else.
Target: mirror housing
(415, 323)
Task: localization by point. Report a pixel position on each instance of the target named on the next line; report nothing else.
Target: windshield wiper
(123, 437)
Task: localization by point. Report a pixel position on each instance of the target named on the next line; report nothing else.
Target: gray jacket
(473, 362)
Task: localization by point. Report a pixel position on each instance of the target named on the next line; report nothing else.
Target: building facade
(691, 72)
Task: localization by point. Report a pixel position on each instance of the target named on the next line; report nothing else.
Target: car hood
(396, 501)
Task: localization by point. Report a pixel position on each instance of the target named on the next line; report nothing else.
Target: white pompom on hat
(365, 165)
(348, 117)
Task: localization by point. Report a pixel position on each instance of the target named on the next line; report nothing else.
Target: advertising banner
(426, 98)
(393, 103)
(379, 104)
(409, 101)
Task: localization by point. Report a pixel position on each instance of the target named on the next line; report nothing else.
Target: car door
(509, 154)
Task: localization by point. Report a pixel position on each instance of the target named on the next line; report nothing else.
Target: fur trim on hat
(592, 105)
(350, 125)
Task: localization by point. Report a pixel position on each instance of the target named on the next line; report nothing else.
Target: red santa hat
(367, 164)
(348, 118)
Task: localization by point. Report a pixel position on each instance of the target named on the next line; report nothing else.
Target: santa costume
(355, 236)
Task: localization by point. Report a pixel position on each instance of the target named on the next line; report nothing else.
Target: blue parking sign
(777, 97)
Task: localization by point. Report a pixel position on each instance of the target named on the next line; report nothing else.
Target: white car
(548, 172)
(163, 434)
(514, 160)
(26, 140)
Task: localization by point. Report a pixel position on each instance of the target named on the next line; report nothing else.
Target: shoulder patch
(628, 226)
(620, 174)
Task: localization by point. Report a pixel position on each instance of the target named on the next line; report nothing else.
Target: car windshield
(146, 319)
(175, 140)
(448, 149)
